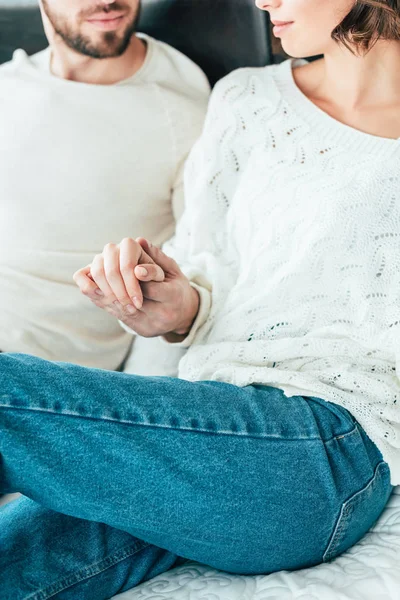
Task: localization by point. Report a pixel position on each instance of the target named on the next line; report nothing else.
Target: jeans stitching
(337, 534)
(342, 435)
(87, 572)
(270, 437)
(345, 514)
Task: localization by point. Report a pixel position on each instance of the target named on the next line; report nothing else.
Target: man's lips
(107, 21)
(106, 16)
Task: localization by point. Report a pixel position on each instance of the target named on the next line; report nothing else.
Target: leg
(68, 558)
(243, 479)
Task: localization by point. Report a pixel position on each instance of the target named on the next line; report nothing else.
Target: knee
(21, 522)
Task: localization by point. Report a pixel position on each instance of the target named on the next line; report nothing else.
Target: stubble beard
(111, 43)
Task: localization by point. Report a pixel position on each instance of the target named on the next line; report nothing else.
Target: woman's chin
(299, 50)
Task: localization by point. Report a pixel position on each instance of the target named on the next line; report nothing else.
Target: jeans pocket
(359, 513)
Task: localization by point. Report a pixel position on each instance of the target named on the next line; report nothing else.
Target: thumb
(150, 272)
(167, 263)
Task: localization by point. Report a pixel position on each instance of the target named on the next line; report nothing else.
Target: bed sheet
(369, 571)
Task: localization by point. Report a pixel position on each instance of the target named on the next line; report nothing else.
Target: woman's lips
(108, 23)
(280, 27)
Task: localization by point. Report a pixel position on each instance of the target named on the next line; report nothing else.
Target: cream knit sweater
(292, 235)
(80, 166)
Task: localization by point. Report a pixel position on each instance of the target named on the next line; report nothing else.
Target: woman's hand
(141, 286)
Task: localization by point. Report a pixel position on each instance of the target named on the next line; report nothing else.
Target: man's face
(99, 29)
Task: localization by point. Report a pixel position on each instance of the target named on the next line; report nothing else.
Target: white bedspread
(369, 571)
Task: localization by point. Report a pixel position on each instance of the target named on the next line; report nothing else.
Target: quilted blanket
(369, 571)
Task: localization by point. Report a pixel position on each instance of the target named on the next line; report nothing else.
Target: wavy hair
(368, 22)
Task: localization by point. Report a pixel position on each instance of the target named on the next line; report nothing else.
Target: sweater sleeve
(201, 245)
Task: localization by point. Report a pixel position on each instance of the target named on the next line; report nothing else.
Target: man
(95, 131)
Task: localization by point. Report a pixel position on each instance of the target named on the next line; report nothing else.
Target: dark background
(219, 35)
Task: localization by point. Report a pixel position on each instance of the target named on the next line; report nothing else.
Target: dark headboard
(219, 35)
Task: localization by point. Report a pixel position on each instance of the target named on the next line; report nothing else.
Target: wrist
(184, 327)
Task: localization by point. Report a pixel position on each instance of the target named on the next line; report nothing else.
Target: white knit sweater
(292, 235)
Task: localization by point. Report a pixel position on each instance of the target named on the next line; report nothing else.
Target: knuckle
(98, 303)
(86, 289)
(97, 258)
(127, 240)
(109, 303)
(110, 247)
(127, 267)
(140, 240)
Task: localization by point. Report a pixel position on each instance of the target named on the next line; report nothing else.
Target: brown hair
(367, 22)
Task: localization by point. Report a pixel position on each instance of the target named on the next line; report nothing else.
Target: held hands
(141, 286)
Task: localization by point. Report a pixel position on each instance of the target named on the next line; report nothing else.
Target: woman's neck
(362, 92)
(370, 81)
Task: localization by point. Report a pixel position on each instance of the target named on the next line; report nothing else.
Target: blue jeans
(124, 477)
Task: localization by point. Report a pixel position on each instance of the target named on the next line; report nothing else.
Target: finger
(157, 255)
(156, 292)
(146, 245)
(130, 255)
(85, 283)
(99, 277)
(112, 271)
(149, 273)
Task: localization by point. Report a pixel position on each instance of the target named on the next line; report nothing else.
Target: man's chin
(111, 49)
(105, 45)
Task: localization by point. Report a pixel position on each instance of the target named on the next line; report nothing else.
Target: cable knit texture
(292, 230)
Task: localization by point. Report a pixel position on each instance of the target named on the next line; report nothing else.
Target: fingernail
(99, 292)
(137, 303)
(141, 271)
(131, 309)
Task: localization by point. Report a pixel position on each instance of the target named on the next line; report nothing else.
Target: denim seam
(345, 514)
(87, 572)
(342, 435)
(160, 426)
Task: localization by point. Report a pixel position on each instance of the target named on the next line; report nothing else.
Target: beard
(111, 44)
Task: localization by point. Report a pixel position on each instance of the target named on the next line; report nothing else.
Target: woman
(279, 445)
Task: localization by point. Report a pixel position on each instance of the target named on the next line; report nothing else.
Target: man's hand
(141, 286)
